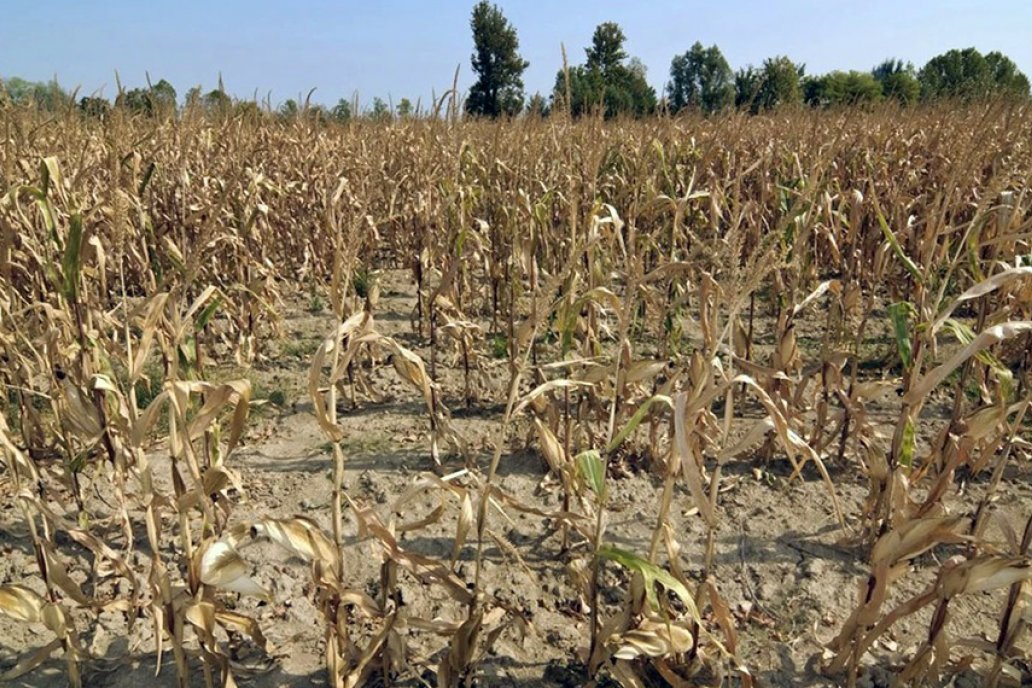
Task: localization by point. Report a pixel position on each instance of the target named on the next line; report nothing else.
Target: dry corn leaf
(544, 388)
(985, 573)
(981, 289)
(989, 337)
(302, 537)
(21, 603)
(221, 566)
(653, 637)
(688, 461)
(915, 537)
(462, 527)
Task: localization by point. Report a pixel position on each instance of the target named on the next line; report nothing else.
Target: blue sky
(405, 48)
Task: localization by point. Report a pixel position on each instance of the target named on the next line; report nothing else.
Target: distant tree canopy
(159, 99)
(608, 80)
(701, 79)
(842, 88)
(778, 82)
(289, 109)
(216, 102)
(193, 97)
(967, 74)
(898, 81)
(46, 96)
(248, 109)
(537, 106)
(380, 110)
(496, 60)
(95, 107)
(341, 112)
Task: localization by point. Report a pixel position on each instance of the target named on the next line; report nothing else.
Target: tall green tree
(288, 110)
(193, 98)
(216, 102)
(537, 106)
(701, 79)
(842, 88)
(380, 110)
(898, 81)
(95, 107)
(967, 75)
(163, 97)
(747, 87)
(496, 60)
(778, 82)
(341, 112)
(159, 99)
(606, 54)
(44, 95)
(608, 80)
(1005, 76)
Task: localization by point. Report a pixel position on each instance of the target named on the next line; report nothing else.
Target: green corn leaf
(906, 452)
(911, 267)
(974, 260)
(636, 419)
(652, 574)
(593, 469)
(71, 262)
(965, 335)
(44, 183)
(146, 178)
(49, 218)
(188, 354)
(899, 313)
(52, 173)
(206, 315)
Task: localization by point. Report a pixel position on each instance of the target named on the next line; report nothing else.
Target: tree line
(161, 99)
(609, 81)
(614, 83)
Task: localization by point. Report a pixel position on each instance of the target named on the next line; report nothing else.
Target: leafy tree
(46, 96)
(701, 79)
(135, 100)
(94, 107)
(1005, 75)
(607, 80)
(776, 83)
(380, 112)
(16, 89)
(341, 112)
(898, 81)
(404, 108)
(497, 62)
(317, 114)
(289, 109)
(216, 102)
(642, 97)
(780, 83)
(747, 87)
(537, 106)
(193, 98)
(955, 74)
(163, 97)
(247, 109)
(967, 74)
(159, 99)
(606, 54)
(842, 88)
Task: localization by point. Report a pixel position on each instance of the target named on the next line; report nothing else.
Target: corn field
(587, 402)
